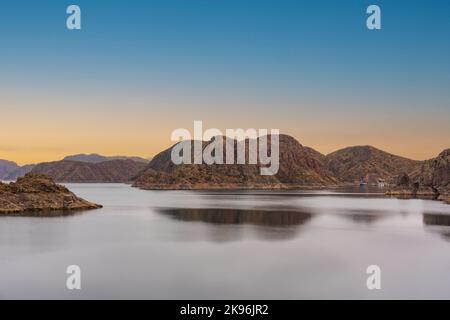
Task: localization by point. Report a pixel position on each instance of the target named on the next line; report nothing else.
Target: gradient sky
(140, 69)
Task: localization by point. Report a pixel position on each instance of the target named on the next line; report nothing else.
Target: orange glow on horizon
(49, 132)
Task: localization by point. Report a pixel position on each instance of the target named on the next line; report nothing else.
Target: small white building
(382, 183)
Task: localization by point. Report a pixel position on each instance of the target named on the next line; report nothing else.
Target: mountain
(6, 167)
(76, 171)
(96, 158)
(319, 157)
(368, 164)
(298, 167)
(11, 171)
(19, 172)
(36, 195)
(431, 179)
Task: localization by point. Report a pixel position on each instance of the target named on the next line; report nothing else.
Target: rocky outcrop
(83, 172)
(298, 168)
(35, 194)
(431, 180)
(405, 187)
(368, 164)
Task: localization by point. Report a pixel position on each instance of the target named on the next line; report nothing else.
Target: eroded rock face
(37, 193)
(403, 180)
(440, 171)
(431, 180)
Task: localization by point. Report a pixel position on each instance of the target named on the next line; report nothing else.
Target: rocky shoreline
(410, 194)
(37, 194)
(445, 198)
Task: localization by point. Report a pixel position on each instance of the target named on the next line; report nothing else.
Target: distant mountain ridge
(19, 172)
(77, 171)
(10, 170)
(300, 166)
(97, 158)
(7, 167)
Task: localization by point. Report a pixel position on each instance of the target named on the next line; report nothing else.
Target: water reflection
(260, 247)
(239, 216)
(262, 224)
(364, 217)
(27, 233)
(432, 219)
(46, 213)
(437, 223)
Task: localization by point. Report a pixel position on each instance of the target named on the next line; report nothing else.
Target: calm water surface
(230, 245)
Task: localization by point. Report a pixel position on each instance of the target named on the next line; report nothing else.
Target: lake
(230, 245)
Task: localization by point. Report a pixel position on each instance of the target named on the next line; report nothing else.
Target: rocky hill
(321, 158)
(368, 164)
(35, 194)
(298, 167)
(76, 171)
(431, 179)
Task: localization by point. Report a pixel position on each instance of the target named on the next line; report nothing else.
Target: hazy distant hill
(76, 171)
(96, 158)
(19, 172)
(298, 166)
(6, 167)
(368, 164)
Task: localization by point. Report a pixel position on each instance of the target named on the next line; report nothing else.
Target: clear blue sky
(294, 65)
